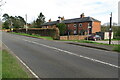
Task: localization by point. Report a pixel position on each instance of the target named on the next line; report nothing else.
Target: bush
(62, 28)
(117, 34)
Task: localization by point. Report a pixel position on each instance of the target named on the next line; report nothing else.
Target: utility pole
(110, 29)
(26, 23)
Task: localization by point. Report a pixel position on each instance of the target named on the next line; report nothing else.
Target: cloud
(100, 9)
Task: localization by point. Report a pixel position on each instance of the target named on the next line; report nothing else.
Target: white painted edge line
(24, 64)
(88, 58)
(27, 67)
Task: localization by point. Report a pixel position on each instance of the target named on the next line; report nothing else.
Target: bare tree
(2, 3)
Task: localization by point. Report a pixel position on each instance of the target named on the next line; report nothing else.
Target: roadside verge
(92, 45)
(30, 75)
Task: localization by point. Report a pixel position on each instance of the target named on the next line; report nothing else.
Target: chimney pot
(49, 20)
(62, 18)
(82, 15)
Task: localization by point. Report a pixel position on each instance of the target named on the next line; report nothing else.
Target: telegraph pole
(110, 29)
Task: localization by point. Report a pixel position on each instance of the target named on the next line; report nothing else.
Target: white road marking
(27, 67)
(71, 53)
(24, 64)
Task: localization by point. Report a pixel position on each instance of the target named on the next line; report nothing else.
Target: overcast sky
(98, 9)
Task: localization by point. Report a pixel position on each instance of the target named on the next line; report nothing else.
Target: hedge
(51, 32)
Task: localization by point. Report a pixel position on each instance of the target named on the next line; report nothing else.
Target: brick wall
(73, 37)
(96, 27)
(72, 28)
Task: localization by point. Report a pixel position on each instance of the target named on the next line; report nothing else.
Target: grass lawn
(33, 35)
(11, 68)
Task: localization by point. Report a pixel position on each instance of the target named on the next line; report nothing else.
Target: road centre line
(71, 53)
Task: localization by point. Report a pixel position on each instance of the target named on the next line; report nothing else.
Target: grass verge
(11, 68)
(33, 35)
(116, 48)
(85, 41)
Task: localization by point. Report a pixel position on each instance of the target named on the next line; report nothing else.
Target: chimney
(49, 20)
(62, 18)
(82, 15)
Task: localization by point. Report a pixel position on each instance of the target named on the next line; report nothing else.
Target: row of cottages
(77, 26)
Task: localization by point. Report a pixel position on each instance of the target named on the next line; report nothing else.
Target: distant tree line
(115, 30)
(13, 22)
(19, 22)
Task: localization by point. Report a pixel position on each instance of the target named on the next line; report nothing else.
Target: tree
(5, 25)
(10, 21)
(6, 18)
(117, 33)
(62, 28)
(40, 20)
(33, 24)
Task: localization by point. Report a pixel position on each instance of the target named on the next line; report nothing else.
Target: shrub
(62, 28)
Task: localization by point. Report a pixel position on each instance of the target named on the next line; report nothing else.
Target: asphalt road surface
(55, 59)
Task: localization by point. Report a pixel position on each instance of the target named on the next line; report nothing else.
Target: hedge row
(51, 32)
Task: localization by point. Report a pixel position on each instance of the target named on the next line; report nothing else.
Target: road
(55, 59)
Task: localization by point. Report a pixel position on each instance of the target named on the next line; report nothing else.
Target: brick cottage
(77, 26)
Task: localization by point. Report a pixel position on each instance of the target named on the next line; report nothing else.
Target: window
(75, 32)
(68, 25)
(80, 24)
(75, 25)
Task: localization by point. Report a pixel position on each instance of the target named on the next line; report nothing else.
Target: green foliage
(10, 21)
(115, 29)
(40, 20)
(62, 28)
(5, 25)
(106, 28)
(117, 34)
(34, 35)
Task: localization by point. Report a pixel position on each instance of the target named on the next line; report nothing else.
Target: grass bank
(116, 47)
(33, 35)
(11, 68)
(85, 41)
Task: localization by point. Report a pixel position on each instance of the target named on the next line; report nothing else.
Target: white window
(75, 32)
(68, 25)
(75, 25)
(80, 24)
